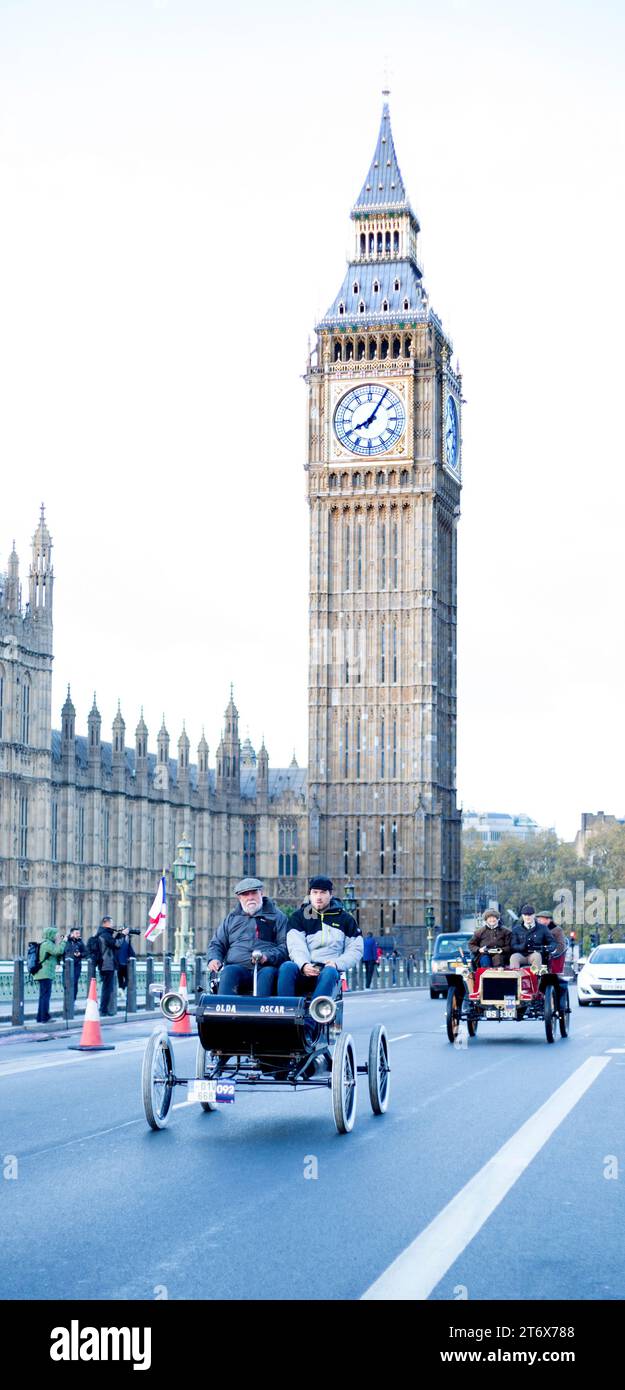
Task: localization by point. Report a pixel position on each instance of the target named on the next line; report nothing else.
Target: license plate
(617, 984)
(212, 1092)
(509, 1013)
(492, 1013)
(509, 1001)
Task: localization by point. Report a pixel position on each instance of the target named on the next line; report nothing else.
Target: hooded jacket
(240, 934)
(329, 934)
(49, 954)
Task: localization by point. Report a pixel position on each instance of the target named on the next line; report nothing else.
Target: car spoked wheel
(565, 1020)
(454, 1009)
(344, 1076)
(379, 1070)
(201, 1070)
(157, 1080)
(472, 1027)
(551, 1015)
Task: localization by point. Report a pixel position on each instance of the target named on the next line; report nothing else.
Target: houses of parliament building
(86, 825)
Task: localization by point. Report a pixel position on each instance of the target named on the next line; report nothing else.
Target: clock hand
(365, 424)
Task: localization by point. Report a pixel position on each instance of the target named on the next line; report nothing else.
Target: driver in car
(491, 941)
(257, 928)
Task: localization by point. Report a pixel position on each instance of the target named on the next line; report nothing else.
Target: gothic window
(363, 244)
(385, 311)
(394, 847)
(407, 346)
(25, 729)
(356, 479)
(347, 670)
(349, 350)
(394, 772)
(23, 836)
(387, 243)
(396, 285)
(346, 750)
(54, 833)
(287, 851)
(358, 848)
(404, 482)
(341, 307)
(332, 481)
(373, 348)
(356, 287)
(368, 479)
(346, 851)
(381, 921)
(249, 849)
(382, 737)
(1, 702)
(338, 351)
(396, 347)
(361, 307)
(384, 345)
(395, 555)
(382, 848)
(406, 303)
(106, 836)
(80, 909)
(359, 552)
(344, 480)
(358, 746)
(396, 243)
(346, 540)
(53, 909)
(394, 653)
(382, 555)
(379, 243)
(80, 835)
(392, 478)
(371, 243)
(376, 286)
(379, 478)
(383, 655)
(152, 841)
(360, 350)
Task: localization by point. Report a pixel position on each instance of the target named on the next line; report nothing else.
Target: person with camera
(76, 951)
(125, 952)
(106, 960)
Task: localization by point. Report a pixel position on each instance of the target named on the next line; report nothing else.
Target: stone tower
(384, 488)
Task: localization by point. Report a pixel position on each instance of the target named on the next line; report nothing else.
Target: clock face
(451, 433)
(369, 419)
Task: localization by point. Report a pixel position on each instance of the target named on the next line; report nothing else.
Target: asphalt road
(218, 1205)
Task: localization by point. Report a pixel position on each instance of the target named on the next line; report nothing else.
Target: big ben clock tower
(384, 477)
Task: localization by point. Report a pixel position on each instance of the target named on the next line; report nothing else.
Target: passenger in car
(529, 939)
(491, 942)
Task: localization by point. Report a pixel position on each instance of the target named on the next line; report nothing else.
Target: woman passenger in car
(491, 942)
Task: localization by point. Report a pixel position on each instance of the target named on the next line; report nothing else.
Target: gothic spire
(384, 185)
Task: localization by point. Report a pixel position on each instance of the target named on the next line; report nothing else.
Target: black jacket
(108, 942)
(240, 934)
(75, 950)
(536, 939)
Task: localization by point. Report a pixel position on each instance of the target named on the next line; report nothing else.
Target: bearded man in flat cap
(255, 926)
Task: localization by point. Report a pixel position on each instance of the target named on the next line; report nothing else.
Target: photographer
(125, 950)
(76, 951)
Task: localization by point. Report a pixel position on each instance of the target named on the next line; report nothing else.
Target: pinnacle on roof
(162, 733)
(384, 185)
(202, 743)
(68, 707)
(142, 727)
(118, 721)
(231, 709)
(293, 762)
(184, 737)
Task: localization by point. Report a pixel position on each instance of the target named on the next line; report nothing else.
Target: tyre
(550, 1014)
(583, 1003)
(472, 1027)
(201, 1058)
(433, 994)
(157, 1080)
(379, 1071)
(565, 1024)
(344, 1077)
(454, 1005)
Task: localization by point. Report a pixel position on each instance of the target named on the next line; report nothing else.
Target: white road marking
(400, 1036)
(417, 1271)
(611, 1050)
(19, 1068)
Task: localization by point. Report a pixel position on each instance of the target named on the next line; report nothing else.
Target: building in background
(592, 823)
(492, 826)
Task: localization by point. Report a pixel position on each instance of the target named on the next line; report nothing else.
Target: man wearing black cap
(528, 940)
(322, 940)
(255, 926)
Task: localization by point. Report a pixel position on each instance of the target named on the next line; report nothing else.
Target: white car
(602, 977)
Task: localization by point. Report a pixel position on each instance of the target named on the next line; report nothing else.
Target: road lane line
(422, 1265)
(19, 1068)
(611, 1050)
(400, 1036)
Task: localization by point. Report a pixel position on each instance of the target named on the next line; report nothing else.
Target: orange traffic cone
(91, 1036)
(182, 1025)
(344, 984)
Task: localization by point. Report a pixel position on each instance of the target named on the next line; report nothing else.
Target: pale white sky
(176, 181)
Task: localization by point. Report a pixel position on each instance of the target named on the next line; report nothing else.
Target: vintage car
(251, 1043)
(505, 995)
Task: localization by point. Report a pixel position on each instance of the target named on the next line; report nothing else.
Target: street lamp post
(183, 869)
(349, 901)
(430, 918)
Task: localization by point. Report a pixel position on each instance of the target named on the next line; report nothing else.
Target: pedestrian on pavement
(323, 939)
(108, 962)
(255, 925)
(76, 951)
(50, 951)
(529, 939)
(370, 958)
(125, 952)
(394, 960)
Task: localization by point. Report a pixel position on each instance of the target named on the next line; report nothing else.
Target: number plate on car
(213, 1092)
(492, 1013)
(509, 1001)
(617, 984)
(509, 1013)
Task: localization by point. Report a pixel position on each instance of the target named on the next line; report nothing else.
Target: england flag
(158, 913)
